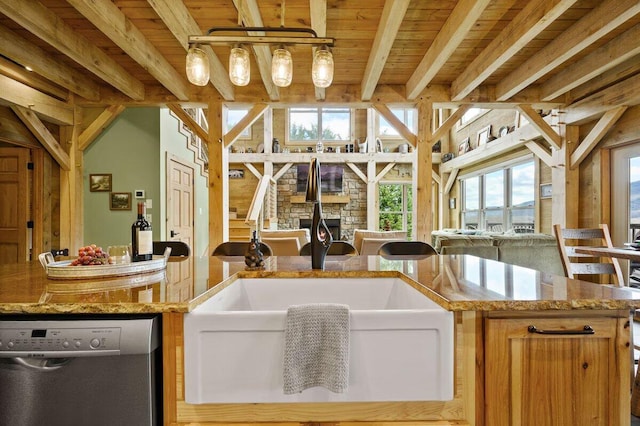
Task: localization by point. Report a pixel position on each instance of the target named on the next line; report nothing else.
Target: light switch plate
(148, 203)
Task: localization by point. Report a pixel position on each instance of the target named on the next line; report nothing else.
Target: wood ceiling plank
(528, 24)
(46, 25)
(177, 18)
(627, 69)
(114, 24)
(448, 39)
(32, 79)
(606, 17)
(40, 131)
(615, 52)
(392, 17)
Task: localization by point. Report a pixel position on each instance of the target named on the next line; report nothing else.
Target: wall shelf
(327, 157)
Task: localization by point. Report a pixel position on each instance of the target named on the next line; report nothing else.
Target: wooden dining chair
(337, 248)
(406, 248)
(178, 248)
(576, 264)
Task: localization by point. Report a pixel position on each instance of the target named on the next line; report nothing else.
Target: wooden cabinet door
(557, 379)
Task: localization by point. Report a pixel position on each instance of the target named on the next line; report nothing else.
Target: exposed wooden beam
(26, 53)
(31, 79)
(624, 93)
(392, 17)
(40, 131)
(109, 19)
(451, 180)
(383, 172)
(252, 18)
(20, 94)
(606, 122)
(449, 123)
(607, 16)
(355, 169)
(252, 115)
(396, 124)
(436, 177)
(461, 20)
(627, 69)
(98, 125)
(531, 21)
(540, 152)
(610, 55)
(42, 22)
(177, 18)
(190, 122)
(545, 129)
(318, 12)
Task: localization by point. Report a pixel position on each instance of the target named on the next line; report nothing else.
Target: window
(234, 115)
(406, 115)
(499, 200)
(470, 115)
(319, 124)
(396, 207)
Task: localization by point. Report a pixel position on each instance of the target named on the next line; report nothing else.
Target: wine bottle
(141, 237)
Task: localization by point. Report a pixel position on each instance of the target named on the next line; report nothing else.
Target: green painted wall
(133, 149)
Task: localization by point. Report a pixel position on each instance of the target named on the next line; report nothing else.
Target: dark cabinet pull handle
(585, 330)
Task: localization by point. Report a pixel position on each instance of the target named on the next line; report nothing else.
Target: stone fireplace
(348, 215)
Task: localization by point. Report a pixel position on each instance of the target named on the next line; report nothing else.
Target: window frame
(405, 114)
(319, 111)
(508, 206)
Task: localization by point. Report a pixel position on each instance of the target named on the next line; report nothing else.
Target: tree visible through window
(396, 207)
(319, 124)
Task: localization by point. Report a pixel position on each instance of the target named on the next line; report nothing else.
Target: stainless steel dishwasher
(80, 372)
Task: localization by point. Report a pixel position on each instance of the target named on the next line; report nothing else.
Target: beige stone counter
(458, 283)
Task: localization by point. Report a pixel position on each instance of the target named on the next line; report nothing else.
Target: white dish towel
(316, 349)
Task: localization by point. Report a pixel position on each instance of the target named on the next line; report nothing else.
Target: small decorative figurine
(253, 258)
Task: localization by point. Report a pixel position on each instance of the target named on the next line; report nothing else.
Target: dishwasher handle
(39, 364)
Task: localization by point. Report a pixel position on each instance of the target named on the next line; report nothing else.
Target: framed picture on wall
(236, 174)
(546, 190)
(483, 135)
(120, 201)
(100, 182)
(465, 146)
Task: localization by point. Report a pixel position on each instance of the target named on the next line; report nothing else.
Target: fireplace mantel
(326, 199)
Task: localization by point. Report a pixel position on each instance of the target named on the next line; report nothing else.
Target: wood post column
(218, 185)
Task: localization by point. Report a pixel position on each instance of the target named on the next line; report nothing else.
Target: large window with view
(319, 124)
(396, 207)
(500, 200)
(408, 117)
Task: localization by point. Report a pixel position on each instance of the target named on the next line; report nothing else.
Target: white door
(180, 200)
(625, 200)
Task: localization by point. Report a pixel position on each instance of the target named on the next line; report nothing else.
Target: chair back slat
(592, 268)
(573, 263)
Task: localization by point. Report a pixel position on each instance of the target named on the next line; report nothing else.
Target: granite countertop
(456, 282)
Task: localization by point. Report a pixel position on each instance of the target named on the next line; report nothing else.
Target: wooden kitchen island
(531, 348)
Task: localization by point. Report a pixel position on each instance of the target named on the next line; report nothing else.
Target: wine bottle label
(145, 242)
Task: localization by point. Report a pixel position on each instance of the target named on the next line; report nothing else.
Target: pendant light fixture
(197, 66)
(239, 61)
(239, 66)
(322, 69)
(281, 67)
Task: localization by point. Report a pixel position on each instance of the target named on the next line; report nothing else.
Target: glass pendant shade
(322, 70)
(281, 67)
(239, 66)
(197, 66)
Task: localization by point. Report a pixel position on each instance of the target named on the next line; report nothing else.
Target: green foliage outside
(298, 132)
(391, 207)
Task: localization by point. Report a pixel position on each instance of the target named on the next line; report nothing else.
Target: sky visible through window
(634, 189)
(336, 123)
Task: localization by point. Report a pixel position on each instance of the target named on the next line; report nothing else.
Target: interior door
(625, 201)
(14, 196)
(179, 209)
